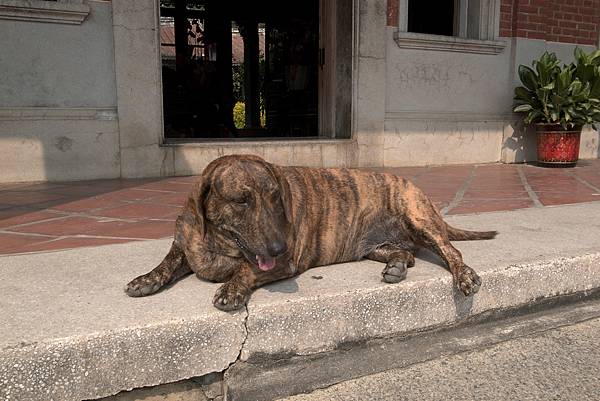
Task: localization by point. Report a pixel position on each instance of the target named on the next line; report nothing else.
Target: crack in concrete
(239, 354)
(245, 324)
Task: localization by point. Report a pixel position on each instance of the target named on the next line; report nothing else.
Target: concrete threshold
(70, 333)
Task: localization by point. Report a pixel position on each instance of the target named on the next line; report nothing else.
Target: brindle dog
(248, 222)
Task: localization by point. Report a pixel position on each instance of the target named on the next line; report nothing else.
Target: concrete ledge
(70, 332)
(419, 41)
(62, 12)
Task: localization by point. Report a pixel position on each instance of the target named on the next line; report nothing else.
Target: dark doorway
(240, 69)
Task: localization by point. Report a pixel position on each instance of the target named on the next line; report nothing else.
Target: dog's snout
(276, 248)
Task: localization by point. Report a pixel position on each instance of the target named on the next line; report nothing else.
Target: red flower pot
(556, 146)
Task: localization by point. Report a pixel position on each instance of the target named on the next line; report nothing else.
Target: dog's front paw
(467, 281)
(142, 286)
(394, 272)
(231, 296)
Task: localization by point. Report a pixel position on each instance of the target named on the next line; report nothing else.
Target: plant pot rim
(556, 127)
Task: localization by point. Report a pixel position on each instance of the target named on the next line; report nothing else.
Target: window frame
(476, 29)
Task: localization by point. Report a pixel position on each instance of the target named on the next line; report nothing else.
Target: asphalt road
(557, 364)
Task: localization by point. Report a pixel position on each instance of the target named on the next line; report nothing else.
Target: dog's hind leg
(397, 261)
(173, 267)
(429, 230)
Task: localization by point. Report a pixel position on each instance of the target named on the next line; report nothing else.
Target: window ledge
(59, 12)
(419, 41)
(245, 142)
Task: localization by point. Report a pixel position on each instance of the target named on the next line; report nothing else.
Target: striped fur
(241, 204)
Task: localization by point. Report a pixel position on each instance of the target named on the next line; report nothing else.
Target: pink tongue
(265, 263)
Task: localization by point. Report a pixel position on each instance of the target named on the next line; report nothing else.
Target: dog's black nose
(276, 248)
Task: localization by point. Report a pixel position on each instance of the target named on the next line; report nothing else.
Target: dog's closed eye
(237, 197)
(241, 202)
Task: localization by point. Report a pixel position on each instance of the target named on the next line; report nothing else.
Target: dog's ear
(195, 203)
(286, 193)
(197, 199)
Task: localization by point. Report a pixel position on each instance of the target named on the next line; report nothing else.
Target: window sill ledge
(419, 41)
(72, 12)
(246, 142)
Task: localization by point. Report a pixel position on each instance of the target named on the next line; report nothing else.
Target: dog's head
(247, 200)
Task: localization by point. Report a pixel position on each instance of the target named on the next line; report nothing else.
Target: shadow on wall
(522, 143)
(58, 144)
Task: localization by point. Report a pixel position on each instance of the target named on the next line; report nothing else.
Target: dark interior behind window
(433, 17)
(240, 69)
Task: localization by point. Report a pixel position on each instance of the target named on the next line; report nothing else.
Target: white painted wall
(58, 65)
(58, 118)
(61, 86)
(451, 107)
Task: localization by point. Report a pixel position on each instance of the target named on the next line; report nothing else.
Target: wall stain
(63, 143)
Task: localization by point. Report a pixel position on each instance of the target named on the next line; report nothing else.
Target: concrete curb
(69, 332)
(304, 326)
(72, 334)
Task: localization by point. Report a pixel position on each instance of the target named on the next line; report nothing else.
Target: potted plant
(559, 101)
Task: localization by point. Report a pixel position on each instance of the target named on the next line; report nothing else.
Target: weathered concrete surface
(181, 391)
(558, 364)
(538, 253)
(42, 143)
(205, 388)
(58, 65)
(69, 332)
(274, 379)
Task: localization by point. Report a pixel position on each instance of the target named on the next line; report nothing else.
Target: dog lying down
(247, 222)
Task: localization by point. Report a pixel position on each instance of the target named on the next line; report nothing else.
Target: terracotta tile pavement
(50, 216)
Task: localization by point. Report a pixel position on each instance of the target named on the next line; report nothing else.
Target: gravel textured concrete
(69, 332)
(559, 364)
(272, 379)
(538, 253)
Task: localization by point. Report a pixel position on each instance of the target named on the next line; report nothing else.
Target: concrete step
(71, 333)
(550, 355)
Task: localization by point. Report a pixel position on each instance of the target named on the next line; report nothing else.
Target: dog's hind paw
(231, 296)
(142, 286)
(394, 272)
(468, 282)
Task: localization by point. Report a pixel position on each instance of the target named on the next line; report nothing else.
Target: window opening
(239, 69)
(432, 17)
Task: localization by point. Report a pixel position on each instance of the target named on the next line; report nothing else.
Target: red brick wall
(392, 12)
(567, 21)
(506, 17)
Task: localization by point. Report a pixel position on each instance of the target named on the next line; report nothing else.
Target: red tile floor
(51, 216)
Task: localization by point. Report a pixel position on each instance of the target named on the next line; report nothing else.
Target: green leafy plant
(568, 95)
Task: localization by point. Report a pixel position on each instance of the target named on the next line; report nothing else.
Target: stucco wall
(61, 86)
(519, 143)
(139, 95)
(454, 107)
(58, 65)
(58, 118)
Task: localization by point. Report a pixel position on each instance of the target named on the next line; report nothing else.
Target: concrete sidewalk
(70, 332)
(49, 216)
(560, 361)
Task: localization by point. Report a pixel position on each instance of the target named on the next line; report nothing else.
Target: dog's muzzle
(264, 263)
